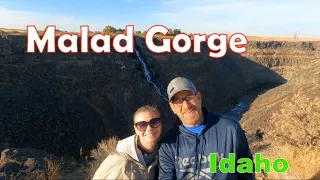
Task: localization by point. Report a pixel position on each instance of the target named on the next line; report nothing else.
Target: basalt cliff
(64, 104)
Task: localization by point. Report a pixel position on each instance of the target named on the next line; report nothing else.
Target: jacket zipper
(196, 158)
(199, 151)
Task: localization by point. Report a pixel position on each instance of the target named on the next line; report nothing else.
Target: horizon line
(247, 35)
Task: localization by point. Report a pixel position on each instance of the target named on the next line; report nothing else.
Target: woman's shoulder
(117, 156)
(120, 158)
(111, 166)
(114, 158)
(119, 165)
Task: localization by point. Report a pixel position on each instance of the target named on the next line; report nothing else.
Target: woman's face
(146, 133)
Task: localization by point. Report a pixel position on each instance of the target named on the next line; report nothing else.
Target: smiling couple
(181, 153)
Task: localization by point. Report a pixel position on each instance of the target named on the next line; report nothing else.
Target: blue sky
(251, 17)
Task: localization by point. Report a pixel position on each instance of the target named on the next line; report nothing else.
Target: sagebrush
(104, 148)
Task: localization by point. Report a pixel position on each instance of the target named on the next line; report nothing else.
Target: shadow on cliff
(41, 116)
(63, 102)
(221, 81)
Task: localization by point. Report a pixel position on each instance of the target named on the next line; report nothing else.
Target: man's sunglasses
(143, 125)
(179, 102)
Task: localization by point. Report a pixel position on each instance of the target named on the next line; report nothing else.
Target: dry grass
(297, 122)
(105, 147)
(295, 131)
(303, 162)
(53, 169)
(289, 116)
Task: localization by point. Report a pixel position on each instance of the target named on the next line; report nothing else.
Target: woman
(136, 157)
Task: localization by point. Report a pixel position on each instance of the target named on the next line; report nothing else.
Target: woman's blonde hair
(146, 108)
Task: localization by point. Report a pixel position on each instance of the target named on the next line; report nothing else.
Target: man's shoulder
(221, 120)
(228, 120)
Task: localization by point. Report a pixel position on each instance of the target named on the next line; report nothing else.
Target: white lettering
(149, 39)
(197, 38)
(178, 161)
(238, 46)
(217, 43)
(185, 162)
(219, 50)
(84, 38)
(192, 160)
(106, 43)
(187, 41)
(128, 37)
(33, 38)
(74, 42)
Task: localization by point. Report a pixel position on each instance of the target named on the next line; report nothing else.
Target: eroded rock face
(62, 103)
(41, 116)
(220, 80)
(24, 154)
(5, 48)
(27, 163)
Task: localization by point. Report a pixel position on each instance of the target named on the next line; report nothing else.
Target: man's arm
(166, 163)
(244, 152)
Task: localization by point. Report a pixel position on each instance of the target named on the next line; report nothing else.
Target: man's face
(189, 111)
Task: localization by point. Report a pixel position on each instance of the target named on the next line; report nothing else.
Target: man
(185, 150)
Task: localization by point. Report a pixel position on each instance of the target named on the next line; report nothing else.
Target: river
(245, 100)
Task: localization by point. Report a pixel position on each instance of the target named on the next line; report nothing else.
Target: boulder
(28, 163)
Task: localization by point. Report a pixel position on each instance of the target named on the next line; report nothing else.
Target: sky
(276, 18)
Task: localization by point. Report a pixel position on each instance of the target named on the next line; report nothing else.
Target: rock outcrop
(28, 164)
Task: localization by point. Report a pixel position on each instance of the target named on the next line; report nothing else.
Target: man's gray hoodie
(185, 155)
